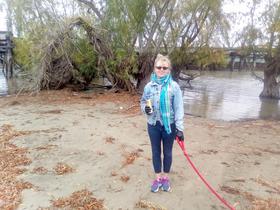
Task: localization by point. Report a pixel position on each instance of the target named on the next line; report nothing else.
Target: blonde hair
(163, 58)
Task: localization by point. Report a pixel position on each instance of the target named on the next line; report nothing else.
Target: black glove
(180, 135)
(148, 110)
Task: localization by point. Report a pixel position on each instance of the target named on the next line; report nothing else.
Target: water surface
(229, 96)
(3, 84)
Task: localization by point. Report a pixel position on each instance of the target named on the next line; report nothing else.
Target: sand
(99, 143)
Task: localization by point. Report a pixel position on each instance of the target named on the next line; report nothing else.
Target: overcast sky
(2, 18)
(238, 8)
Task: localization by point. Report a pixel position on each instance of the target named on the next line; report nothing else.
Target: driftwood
(188, 77)
(94, 85)
(257, 77)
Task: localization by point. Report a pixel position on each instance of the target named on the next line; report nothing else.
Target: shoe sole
(154, 191)
(167, 190)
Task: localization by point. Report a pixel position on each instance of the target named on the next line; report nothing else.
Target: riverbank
(92, 149)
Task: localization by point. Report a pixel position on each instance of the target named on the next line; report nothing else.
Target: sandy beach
(94, 149)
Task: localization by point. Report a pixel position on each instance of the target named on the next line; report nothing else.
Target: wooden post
(9, 58)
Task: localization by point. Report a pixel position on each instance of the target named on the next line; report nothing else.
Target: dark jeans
(157, 135)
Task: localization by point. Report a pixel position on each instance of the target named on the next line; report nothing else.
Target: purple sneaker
(156, 185)
(165, 184)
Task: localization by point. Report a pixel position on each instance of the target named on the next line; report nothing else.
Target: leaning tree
(57, 65)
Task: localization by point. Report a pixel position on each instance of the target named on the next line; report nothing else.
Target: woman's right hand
(148, 110)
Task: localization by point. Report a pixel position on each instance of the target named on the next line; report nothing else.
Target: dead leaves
(63, 168)
(149, 205)
(110, 140)
(82, 200)
(256, 202)
(130, 157)
(40, 170)
(12, 159)
(124, 178)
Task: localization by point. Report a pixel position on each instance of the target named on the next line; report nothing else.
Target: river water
(3, 84)
(229, 96)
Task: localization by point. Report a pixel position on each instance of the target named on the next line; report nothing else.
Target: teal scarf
(164, 99)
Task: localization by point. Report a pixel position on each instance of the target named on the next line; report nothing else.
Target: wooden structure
(6, 55)
(239, 61)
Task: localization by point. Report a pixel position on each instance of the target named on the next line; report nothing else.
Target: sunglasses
(162, 67)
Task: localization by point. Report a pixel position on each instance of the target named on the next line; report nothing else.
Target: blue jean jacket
(152, 91)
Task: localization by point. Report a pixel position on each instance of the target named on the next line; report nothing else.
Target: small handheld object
(149, 104)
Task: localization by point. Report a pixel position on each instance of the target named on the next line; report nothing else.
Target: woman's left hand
(180, 135)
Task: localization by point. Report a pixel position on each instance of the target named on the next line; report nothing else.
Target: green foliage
(206, 56)
(137, 11)
(180, 56)
(85, 59)
(124, 19)
(202, 57)
(24, 53)
(124, 64)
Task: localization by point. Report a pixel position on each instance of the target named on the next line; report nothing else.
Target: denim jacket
(152, 91)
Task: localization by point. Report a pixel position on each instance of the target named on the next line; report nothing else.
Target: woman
(165, 119)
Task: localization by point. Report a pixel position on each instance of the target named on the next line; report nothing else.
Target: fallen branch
(188, 77)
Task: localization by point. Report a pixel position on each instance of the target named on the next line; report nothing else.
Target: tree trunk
(175, 72)
(271, 72)
(273, 107)
(270, 86)
(145, 66)
(141, 84)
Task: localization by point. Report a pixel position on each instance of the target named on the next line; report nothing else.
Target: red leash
(182, 145)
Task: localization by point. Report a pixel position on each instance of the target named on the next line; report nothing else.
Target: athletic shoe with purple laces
(156, 185)
(165, 184)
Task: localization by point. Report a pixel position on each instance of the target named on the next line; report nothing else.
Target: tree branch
(91, 5)
(199, 26)
(156, 24)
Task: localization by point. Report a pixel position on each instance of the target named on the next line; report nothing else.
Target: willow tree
(178, 28)
(124, 21)
(192, 27)
(33, 21)
(135, 28)
(151, 40)
(261, 36)
(271, 80)
(36, 17)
